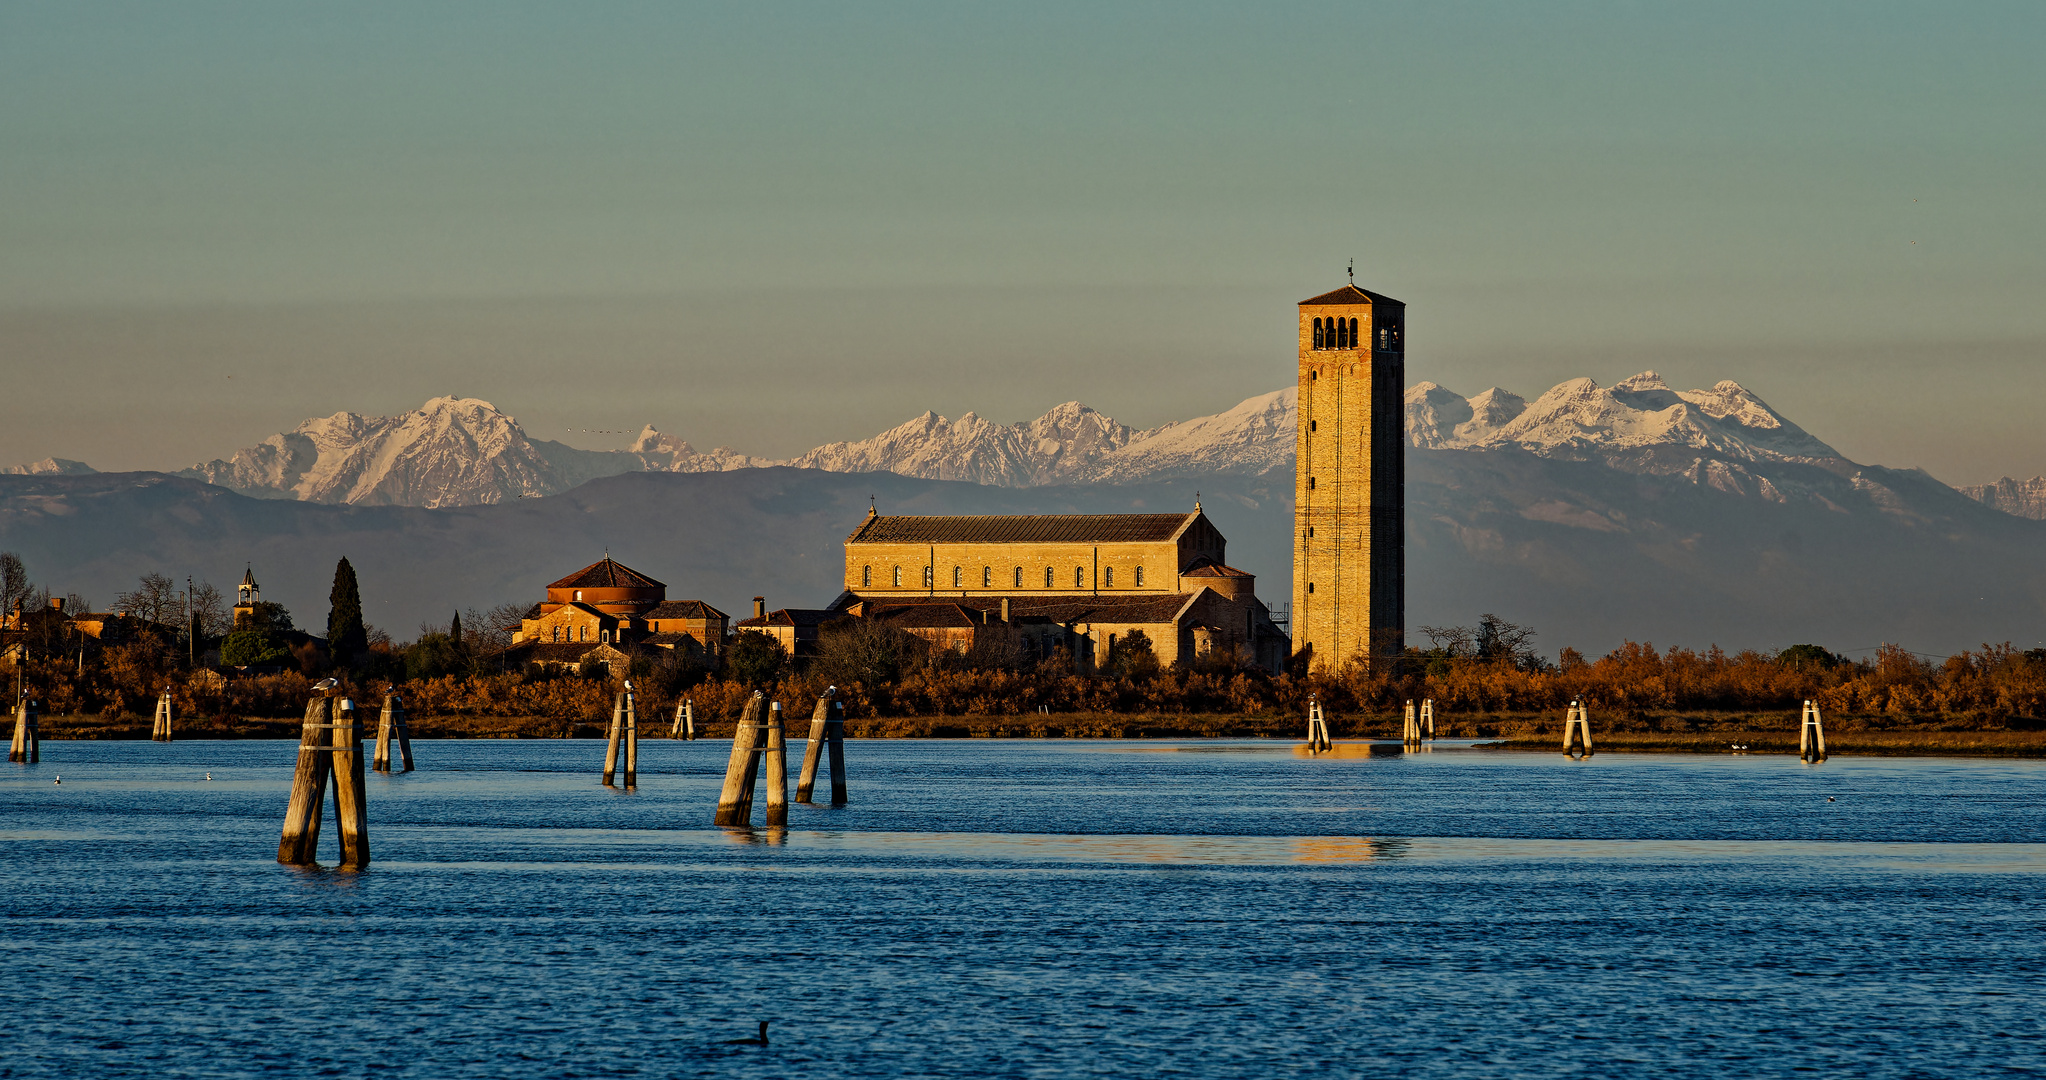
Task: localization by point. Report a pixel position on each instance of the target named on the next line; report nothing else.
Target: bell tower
(246, 598)
(1349, 485)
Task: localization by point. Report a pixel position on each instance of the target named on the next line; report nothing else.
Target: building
(246, 597)
(1349, 536)
(795, 628)
(605, 610)
(1078, 582)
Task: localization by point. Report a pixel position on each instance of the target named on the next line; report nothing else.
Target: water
(1031, 909)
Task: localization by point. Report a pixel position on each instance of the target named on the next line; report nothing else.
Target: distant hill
(1662, 542)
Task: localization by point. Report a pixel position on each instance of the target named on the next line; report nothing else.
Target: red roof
(1022, 529)
(606, 574)
(1350, 294)
(682, 609)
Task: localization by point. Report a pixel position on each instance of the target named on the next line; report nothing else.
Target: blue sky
(769, 225)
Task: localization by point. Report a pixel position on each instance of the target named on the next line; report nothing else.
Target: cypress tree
(455, 629)
(347, 638)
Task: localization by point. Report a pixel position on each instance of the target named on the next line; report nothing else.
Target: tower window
(1310, 425)
(1342, 334)
(1140, 577)
(898, 577)
(1108, 578)
(578, 596)
(1048, 583)
(1310, 586)
(1019, 577)
(866, 577)
(1310, 483)
(1352, 335)
(987, 577)
(1317, 333)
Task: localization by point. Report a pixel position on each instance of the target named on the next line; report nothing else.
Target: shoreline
(1527, 733)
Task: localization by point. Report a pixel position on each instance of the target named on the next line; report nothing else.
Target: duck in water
(761, 1041)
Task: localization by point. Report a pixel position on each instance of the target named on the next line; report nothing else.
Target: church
(598, 613)
(1081, 582)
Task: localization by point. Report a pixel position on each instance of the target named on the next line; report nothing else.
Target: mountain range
(1682, 517)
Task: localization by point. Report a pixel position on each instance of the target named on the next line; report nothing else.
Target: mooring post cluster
(322, 755)
(393, 724)
(1428, 719)
(685, 721)
(1577, 731)
(624, 727)
(160, 731)
(1811, 734)
(27, 746)
(1317, 728)
(1410, 731)
(827, 729)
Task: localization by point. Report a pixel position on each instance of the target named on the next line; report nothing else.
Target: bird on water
(761, 1041)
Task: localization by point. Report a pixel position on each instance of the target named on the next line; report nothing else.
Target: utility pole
(191, 627)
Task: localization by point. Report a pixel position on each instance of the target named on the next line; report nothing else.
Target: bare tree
(13, 579)
(211, 608)
(156, 599)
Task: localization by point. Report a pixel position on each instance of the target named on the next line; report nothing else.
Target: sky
(771, 225)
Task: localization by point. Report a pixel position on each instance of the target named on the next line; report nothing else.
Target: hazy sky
(770, 225)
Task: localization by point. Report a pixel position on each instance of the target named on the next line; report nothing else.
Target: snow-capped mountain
(51, 466)
(2021, 498)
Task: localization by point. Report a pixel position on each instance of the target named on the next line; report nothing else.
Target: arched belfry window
(1354, 339)
(1317, 333)
(1340, 340)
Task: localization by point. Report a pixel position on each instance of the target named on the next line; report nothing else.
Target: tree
(1133, 657)
(156, 599)
(433, 656)
(245, 648)
(1808, 658)
(755, 658)
(1493, 640)
(13, 579)
(455, 630)
(868, 652)
(210, 608)
(347, 637)
(265, 615)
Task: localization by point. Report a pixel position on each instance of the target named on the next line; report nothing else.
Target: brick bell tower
(1349, 517)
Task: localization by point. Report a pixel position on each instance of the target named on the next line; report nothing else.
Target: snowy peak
(1578, 417)
(50, 466)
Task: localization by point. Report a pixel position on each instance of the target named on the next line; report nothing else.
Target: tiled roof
(1022, 529)
(1132, 607)
(1350, 294)
(682, 609)
(1214, 569)
(606, 574)
(532, 612)
(666, 638)
(791, 617)
(926, 616)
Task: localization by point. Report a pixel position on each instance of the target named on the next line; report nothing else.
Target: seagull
(327, 684)
(1829, 798)
(209, 776)
(761, 1041)
(60, 780)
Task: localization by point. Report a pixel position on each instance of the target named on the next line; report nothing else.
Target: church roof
(1022, 529)
(606, 574)
(1206, 568)
(249, 578)
(1350, 294)
(682, 609)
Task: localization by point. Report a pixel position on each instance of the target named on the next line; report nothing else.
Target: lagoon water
(1031, 908)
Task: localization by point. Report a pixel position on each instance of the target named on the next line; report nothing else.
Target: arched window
(1079, 577)
(1108, 578)
(578, 596)
(898, 577)
(1317, 333)
(987, 577)
(1340, 339)
(958, 578)
(928, 571)
(1019, 577)
(1047, 577)
(555, 636)
(1140, 577)
(1384, 338)
(603, 635)
(1310, 483)
(866, 577)
(1353, 333)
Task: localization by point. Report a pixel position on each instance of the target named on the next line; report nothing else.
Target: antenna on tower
(1353, 271)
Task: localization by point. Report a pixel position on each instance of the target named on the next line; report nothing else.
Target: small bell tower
(246, 599)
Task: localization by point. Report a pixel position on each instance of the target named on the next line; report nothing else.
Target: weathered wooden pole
(685, 721)
(301, 839)
(1410, 729)
(1811, 734)
(1428, 719)
(777, 764)
(813, 747)
(161, 731)
(617, 731)
(735, 802)
(351, 805)
(27, 746)
(1317, 728)
(392, 724)
(631, 737)
(834, 735)
(1576, 730)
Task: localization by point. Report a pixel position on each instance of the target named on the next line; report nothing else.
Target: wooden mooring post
(624, 728)
(735, 802)
(1410, 730)
(27, 746)
(1428, 719)
(392, 725)
(161, 730)
(1317, 728)
(1576, 729)
(827, 729)
(777, 764)
(1811, 734)
(685, 721)
(321, 756)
